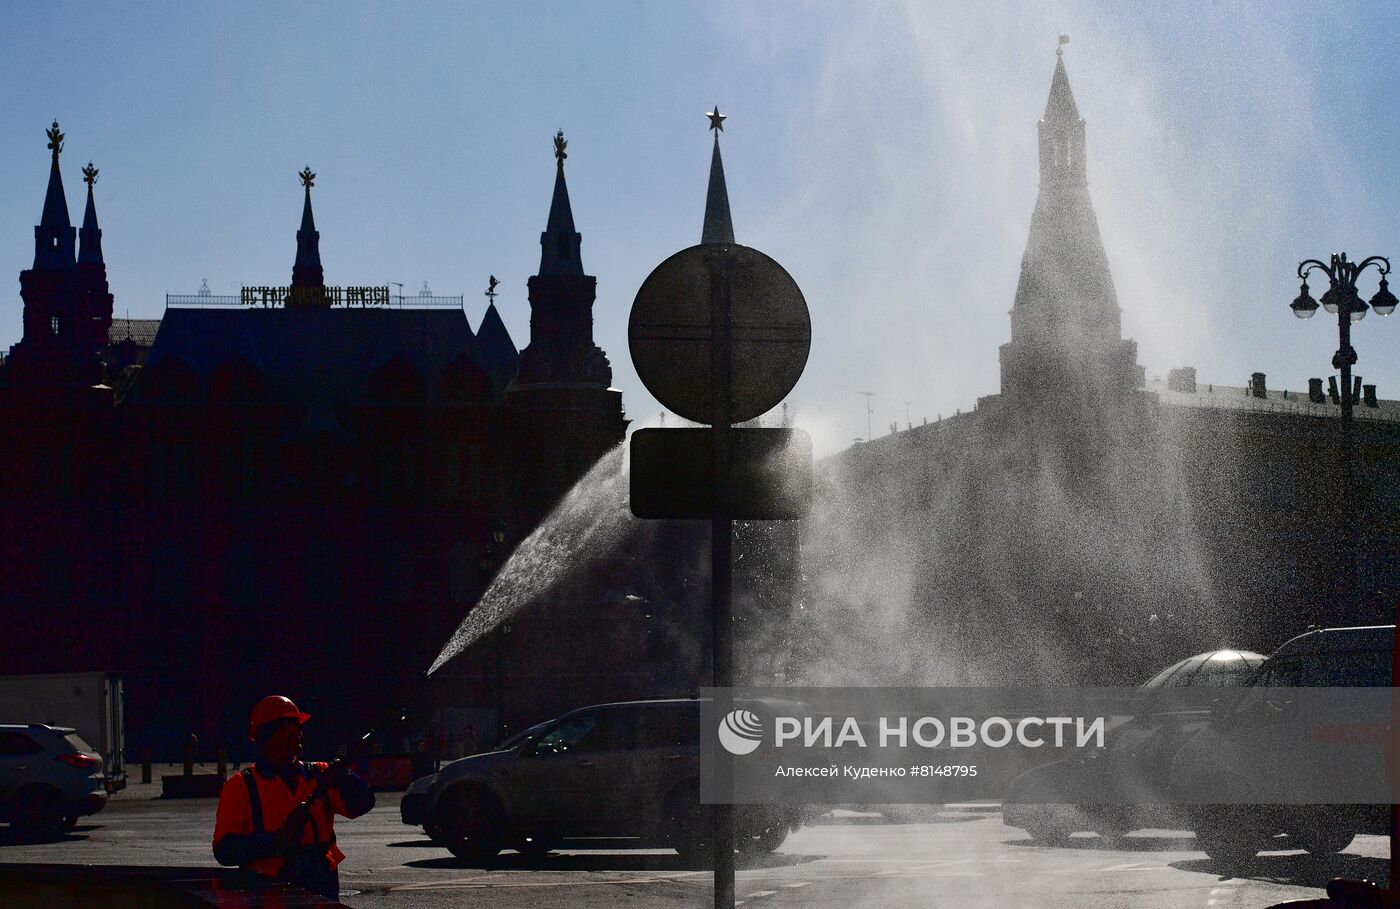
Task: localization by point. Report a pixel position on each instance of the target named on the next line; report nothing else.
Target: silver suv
(1246, 750)
(625, 771)
(49, 777)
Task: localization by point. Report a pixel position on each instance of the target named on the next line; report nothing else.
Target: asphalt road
(962, 857)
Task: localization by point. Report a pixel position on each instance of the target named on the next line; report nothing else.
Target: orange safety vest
(274, 800)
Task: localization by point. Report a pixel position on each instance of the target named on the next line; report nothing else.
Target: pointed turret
(307, 274)
(1060, 105)
(559, 244)
(561, 390)
(718, 227)
(498, 353)
(67, 304)
(54, 236)
(561, 348)
(90, 237)
(1061, 130)
(1066, 327)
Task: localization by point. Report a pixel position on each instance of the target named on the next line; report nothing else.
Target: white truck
(93, 703)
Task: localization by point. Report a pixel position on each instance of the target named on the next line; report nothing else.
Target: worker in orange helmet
(277, 817)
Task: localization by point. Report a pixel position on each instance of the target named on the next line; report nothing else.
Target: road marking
(757, 893)
(798, 884)
(1133, 866)
(475, 884)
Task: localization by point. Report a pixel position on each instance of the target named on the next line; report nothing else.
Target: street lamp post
(1343, 301)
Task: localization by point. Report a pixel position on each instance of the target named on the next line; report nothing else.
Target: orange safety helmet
(272, 708)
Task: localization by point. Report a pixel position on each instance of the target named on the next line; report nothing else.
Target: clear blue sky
(884, 153)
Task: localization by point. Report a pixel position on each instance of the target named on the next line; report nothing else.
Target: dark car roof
(1211, 663)
(1327, 640)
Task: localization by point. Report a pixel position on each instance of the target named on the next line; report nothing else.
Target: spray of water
(592, 517)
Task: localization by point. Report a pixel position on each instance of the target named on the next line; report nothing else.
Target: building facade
(300, 496)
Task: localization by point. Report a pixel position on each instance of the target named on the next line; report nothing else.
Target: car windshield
(517, 739)
(568, 735)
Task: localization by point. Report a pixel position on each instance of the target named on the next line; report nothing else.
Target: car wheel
(435, 832)
(1112, 826)
(686, 825)
(70, 823)
(471, 824)
(763, 840)
(37, 813)
(1046, 829)
(1230, 838)
(1323, 840)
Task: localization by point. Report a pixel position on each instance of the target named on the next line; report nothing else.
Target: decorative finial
(559, 145)
(491, 290)
(55, 140)
(308, 179)
(716, 120)
(1060, 51)
(89, 174)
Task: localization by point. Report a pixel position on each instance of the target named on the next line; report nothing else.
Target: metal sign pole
(699, 375)
(722, 569)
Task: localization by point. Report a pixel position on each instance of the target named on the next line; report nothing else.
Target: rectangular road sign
(770, 474)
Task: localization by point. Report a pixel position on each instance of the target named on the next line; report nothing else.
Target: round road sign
(679, 313)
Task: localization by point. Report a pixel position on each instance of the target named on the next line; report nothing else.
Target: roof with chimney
(1278, 401)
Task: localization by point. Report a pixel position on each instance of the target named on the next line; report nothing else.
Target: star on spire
(55, 140)
(89, 174)
(308, 179)
(1060, 51)
(716, 120)
(560, 143)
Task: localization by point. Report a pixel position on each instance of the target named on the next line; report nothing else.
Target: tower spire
(54, 236)
(90, 237)
(561, 350)
(1066, 326)
(1060, 105)
(718, 227)
(307, 274)
(559, 244)
(1061, 129)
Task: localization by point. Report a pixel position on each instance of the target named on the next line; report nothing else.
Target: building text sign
(314, 296)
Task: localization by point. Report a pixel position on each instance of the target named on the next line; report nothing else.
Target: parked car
(49, 777)
(1245, 747)
(1054, 800)
(626, 771)
(413, 807)
(93, 703)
